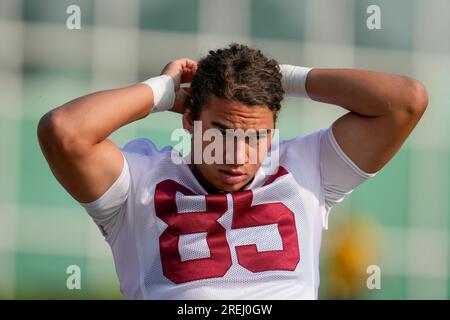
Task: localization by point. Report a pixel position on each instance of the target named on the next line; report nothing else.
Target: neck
(204, 183)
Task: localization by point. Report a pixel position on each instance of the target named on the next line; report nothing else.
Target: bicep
(370, 142)
(87, 174)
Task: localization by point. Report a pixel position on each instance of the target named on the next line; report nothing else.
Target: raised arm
(73, 137)
(384, 109)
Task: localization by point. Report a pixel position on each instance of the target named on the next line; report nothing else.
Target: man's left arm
(384, 109)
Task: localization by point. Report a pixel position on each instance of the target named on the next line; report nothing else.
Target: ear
(188, 124)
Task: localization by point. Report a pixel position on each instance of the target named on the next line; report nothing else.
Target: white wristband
(294, 80)
(163, 92)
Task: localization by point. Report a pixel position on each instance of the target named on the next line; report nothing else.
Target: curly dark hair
(237, 73)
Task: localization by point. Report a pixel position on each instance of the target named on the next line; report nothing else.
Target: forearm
(92, 118)
(364, 93)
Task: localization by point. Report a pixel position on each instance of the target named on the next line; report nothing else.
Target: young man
(229, 229)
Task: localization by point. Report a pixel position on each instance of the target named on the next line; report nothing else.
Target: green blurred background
(397, 220)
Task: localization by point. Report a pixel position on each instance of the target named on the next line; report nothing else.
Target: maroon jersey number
(219, 262)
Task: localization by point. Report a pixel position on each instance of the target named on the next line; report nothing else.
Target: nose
(237, 154)
(241, 155)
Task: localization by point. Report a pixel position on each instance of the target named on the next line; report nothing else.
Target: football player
(235, 229)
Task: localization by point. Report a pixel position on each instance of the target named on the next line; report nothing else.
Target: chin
(232, 188)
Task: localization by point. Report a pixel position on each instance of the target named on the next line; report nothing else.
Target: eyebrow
(220, 125)
(225, 127)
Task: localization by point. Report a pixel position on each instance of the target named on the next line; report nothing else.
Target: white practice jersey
(172, 240)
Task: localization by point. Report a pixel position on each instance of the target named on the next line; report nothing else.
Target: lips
(233, 172)
(232, 176)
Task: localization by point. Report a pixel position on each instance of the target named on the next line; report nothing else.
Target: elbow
(417, 100)
(56, 135)
(47, 130)
(51, 128)
(46, 127)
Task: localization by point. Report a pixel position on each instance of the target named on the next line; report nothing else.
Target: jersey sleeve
(339, 174)
(106, 209)
(110, 211)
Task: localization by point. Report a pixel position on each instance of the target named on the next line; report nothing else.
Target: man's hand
(181, 71)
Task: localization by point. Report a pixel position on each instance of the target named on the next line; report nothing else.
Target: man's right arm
(74, 141)
(73, 137)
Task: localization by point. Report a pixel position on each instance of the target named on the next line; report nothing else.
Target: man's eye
(257, 136)
(223, 132)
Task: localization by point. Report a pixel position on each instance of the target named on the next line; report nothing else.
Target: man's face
(239, 164)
